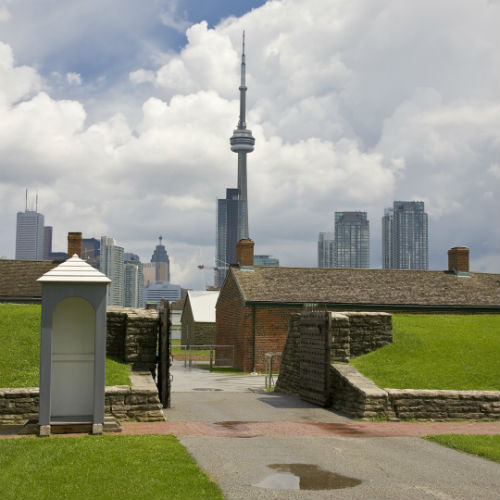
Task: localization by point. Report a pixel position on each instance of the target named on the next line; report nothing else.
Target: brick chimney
(74, 244)
(458, 260)
(244, 253)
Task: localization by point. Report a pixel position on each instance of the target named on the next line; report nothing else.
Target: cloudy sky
(118, 113)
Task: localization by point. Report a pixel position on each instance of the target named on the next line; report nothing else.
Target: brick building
(198, 318)
(255, 303)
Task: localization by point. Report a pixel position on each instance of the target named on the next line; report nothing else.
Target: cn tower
(242, 142)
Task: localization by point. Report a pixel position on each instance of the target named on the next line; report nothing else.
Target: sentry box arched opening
(73, 346)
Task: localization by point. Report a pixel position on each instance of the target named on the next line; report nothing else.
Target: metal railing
(270, 356)
(220, 356)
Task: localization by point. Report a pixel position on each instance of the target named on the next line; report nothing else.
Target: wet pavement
(386, 468)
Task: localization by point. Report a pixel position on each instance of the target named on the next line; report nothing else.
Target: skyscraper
(111, 264)
(47, 242)
(405, 236)
(326, 250)
(29, 235)
(162, 262)
(352, 240)
(133, 280)
(228, 232)
(232, 213)
(387, 223)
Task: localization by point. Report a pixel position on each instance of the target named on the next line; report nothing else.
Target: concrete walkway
(245, 440)
(200, 380)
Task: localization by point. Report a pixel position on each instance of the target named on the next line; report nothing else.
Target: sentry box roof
(74, 270)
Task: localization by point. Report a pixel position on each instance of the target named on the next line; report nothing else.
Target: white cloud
(142, 76)
(4, 14)
(495, 170)
(171, 17)
(350, 105)
(196, 68)
(16, 82)
(74, 78)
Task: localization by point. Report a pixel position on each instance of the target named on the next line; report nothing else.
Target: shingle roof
(18, 278)
(367, 286)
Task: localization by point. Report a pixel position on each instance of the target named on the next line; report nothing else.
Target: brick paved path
(312, 429)
(302, 429)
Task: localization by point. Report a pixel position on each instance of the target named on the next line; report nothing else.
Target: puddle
(206, 389)
(305, 477)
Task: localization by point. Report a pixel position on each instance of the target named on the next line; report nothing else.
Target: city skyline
(130, 138)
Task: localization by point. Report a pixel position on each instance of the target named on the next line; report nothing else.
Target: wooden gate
(164, 356)
(315, 357)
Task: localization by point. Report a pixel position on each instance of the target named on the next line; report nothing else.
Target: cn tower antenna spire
(243, 88)
(242, 142)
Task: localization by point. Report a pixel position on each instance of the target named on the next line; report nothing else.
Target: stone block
(136, 399)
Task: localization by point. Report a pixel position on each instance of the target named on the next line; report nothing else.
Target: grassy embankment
(485, 446)
(20, 352)
(437, 352)
(103, 467)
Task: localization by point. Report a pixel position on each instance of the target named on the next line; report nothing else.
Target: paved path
(199, 380)
(237, 429)
(240, 436)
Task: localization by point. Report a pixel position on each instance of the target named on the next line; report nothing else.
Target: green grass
(20, 349)
(101, 467)
(483, 445)
(438, 352)
(117, 372)
(222, 369)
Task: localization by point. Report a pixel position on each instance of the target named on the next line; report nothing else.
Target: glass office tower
(405, 238)
(352, 240)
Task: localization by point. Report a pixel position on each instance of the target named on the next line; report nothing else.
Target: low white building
(198, 318)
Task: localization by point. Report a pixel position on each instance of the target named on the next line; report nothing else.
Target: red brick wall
(458, 259)
(235, 327)
(233, 323)
(271, 332)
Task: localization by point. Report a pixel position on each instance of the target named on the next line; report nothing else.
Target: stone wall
(289, 377)
(19, 405)
(314, 357)
(443, 405)
(116, 326)
(132, 336)
(139, 402)
(349, 334)
(356, 396)
(339, 337)
(368, 331)
(352, 334)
